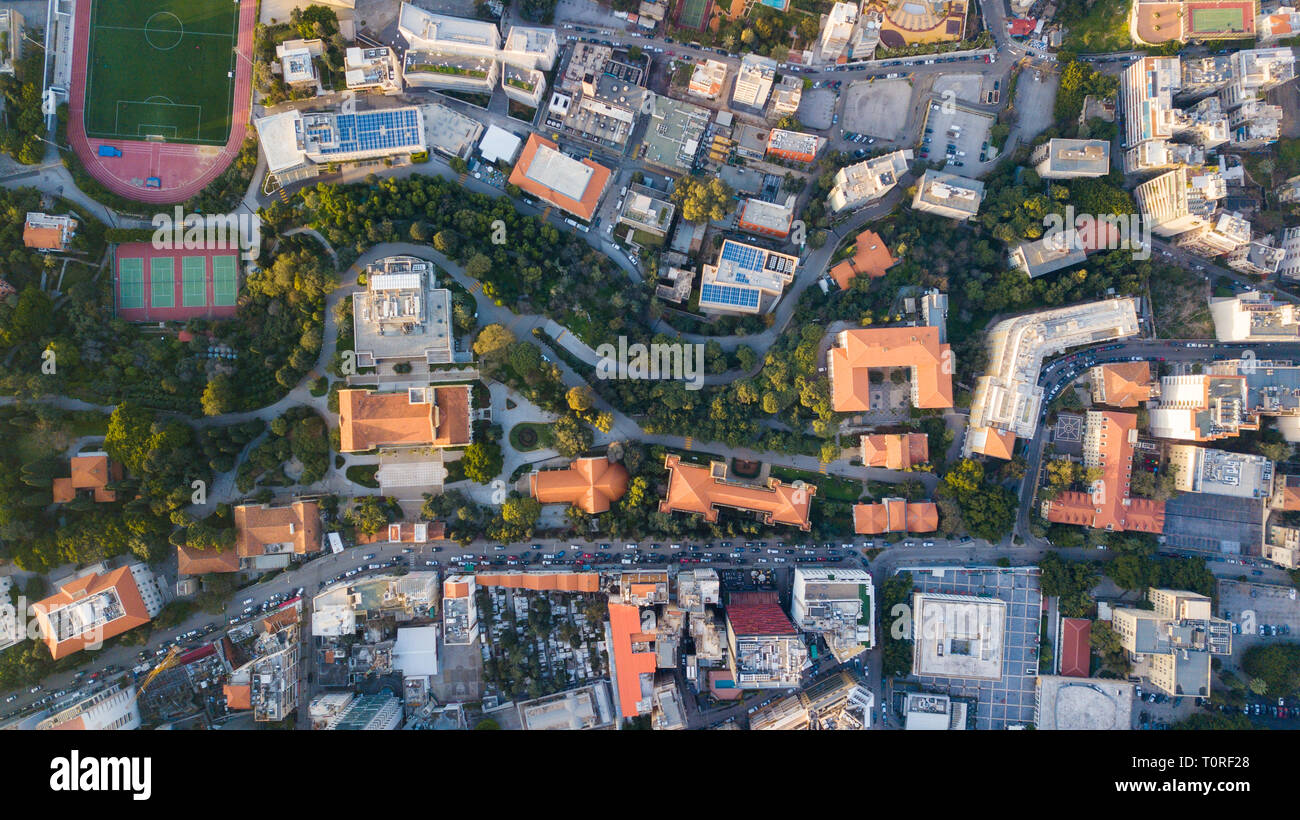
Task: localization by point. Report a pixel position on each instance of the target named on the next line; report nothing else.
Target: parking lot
(1214, 523)
(1250, 605)
(963, 87)
(878, 109)
(817, 108)
(957, 132)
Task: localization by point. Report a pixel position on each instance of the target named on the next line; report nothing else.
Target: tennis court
(161, 69)
(1211, 21)
(225, 280)
(194, 282)
(692, 13)
(130, 283)
(162, 282)
(163, 285)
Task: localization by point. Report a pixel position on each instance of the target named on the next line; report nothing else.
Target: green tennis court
(225, 279)
(1210, 21)
(194, 285)
(692, 13)
(162, 282)
(130, 283)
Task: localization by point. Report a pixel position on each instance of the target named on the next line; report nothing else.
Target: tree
(521, 512)
(219, 396)
(482, 461)
(493, 343)
(369, 514)
(572, 437)
(701, 200)
(580, 398)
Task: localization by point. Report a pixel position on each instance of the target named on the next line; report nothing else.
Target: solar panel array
(744, 256)
(376, 131)
(728, 295)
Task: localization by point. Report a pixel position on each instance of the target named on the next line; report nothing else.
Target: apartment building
(645, 210)
(866, 182)
(1254, 317)
(1289, 242)
(708, 79)
(1147, 89)
(1071, 159)
(950, 195)
(448, 52)
(794, 146)
(1174, 643)
(1181, 200)
(113, 708)
(1108, 442)
(1203, 407)
(767, 218)
(1161, 155)
(372, 69)
(1008, 400)
(838, 31)
(1225, 234)
(765, 651)
(459, 610)
(838, 605)
(1262, 257)
(786, 97)
(1219, 472)
(754, 81)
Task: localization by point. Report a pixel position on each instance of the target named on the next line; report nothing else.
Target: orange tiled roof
(238, 697)
(368, 420)
(895, 515)
(871, 257)
(542, 581)
(89, 472)
(1108, 506)
(133, 612)
(588, 483)
(42, 238)
(452, 428)
(995, 443)
(696, 489)
(629, 665)
(584, 207)
(201, 562)
(259, 526)
(1288, 495)
(63, 490)
(1126, 383)
(895, 451)
(856, 351)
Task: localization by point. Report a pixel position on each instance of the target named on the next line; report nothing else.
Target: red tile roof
(757, 613)
(857, 351)
(1076, 647)
(133, 612)
(584, 207)
(696, 489)
(1108, 506)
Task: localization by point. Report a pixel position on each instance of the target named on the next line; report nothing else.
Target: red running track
(183, 169)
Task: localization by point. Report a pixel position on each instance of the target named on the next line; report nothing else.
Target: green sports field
(161, 69)
(1215, 21)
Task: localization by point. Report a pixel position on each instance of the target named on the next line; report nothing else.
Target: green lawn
(544, 438)
(162, 68)
(1100, 25)
(828, 486)
(364, 474)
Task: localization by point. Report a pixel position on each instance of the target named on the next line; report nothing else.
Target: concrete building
(927, 711)
(838, 604)
(786, 97)
(447, 52)
(793, 146)
(1084, 704)
(645, 210)
(402, 315)
(295, 143)
(532, 47)
(838, 31)
(1253, 316)
(1262, 257)
(669, 712)
(1108, 443)
(856, 352)
(47, 232)
(957, 636)
(598, 98)
(840, 701)
(448, 132)
(113, 708)
(587, 707)
(866, 182)
(459, 610)
(1147, 88)
(298, 62)
(1174, 642)
(264, 660)
(1202, 407)
(523, 85)
(767, 218)
(1282, 546)
(708, 80)
(745, 279)
(1161, 155)
(1071, 159)
(950, 195)
(341, 609)
(1225, 234)
(1007, 401)
(372, 69)
(573, 186)
(698, 588)
(765, 651)
(1289, 267)
(754, 81)
(12, 31)
(1180, 200)
(499, 145)
(1219, 472)
(674, 134)
(377, 712)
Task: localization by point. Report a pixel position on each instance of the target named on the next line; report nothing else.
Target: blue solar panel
(743, 255)
(727, 295)
(375, 131)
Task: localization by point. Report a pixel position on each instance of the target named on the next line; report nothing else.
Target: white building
(838, 31)
(865, 182)
(1180, 200)
(402, 314)
(499, 145)
(295, 143)
(111, 708)
(12, 28)
(372, 69)
(838, 603)
(1219, 472)
(1225, 234)
(1254, 317)
(950, 195)
(754, 81)
(1071, 159)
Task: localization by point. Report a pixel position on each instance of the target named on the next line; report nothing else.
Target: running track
(183, 169)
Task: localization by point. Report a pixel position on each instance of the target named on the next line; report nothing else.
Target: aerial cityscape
(650, 364)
